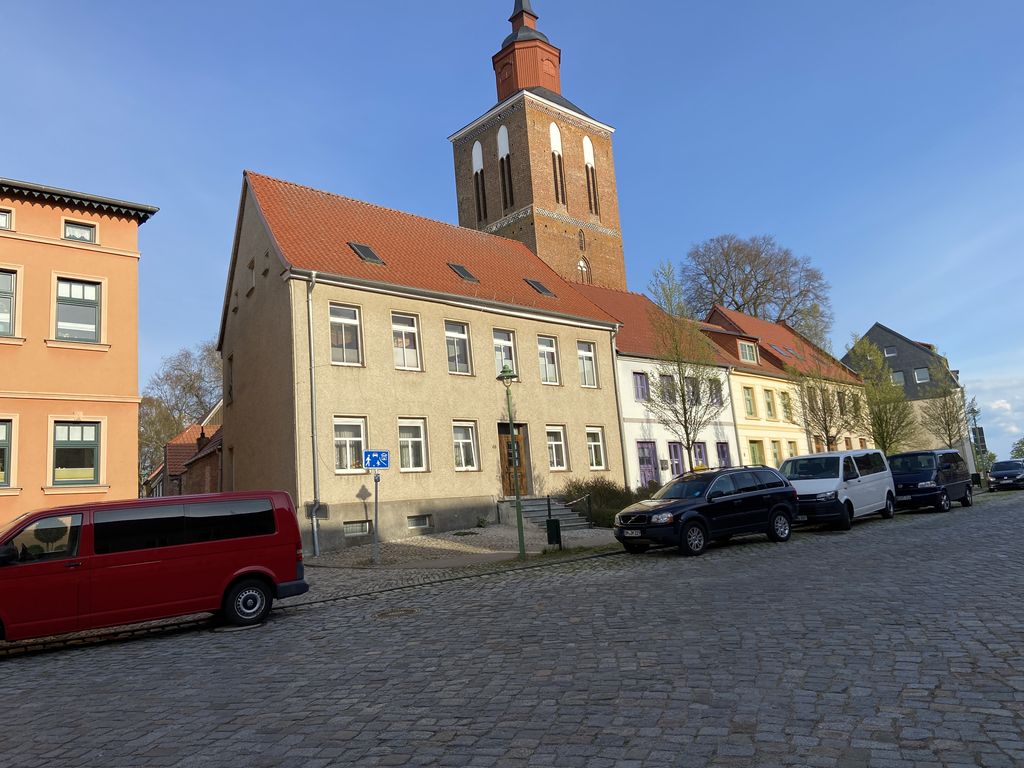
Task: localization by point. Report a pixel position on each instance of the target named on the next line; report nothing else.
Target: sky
(884, 141)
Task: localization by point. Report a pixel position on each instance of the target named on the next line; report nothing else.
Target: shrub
(606, 498)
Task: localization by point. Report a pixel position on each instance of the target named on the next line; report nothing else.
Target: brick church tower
(537, 168)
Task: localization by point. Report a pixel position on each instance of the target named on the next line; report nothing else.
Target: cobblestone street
(897, 644)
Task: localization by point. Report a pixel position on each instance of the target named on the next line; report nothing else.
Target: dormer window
(83, 233)
(748, 352)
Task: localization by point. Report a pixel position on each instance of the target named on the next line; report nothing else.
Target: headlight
(661, 517)
(830, 496)
(926, 484)
(1020, 476)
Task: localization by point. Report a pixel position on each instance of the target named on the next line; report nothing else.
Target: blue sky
(881, 139)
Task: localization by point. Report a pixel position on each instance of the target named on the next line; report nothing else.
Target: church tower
(537, 168)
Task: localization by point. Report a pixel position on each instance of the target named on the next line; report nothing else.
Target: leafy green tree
(943, 413)
(888, 416)
(1017, 451)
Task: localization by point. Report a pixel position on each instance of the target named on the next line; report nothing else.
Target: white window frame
(349, 421)
(406, 330)
(9, 226)
(510, 345)
(428, 521)
(347, 321)
(554, 445)
(421, 424)
(473, 444)
(363, 528)
(597, 432)
(583, 356)
(885, 351)
(543, 351)
(917, 376)
(457, 336)
(748, 347)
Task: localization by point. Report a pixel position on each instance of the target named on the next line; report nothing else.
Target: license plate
(1006, 482)
(800, 519)
(902, 498)
(630, 533)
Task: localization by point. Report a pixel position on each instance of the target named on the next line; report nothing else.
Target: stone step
(535, 511)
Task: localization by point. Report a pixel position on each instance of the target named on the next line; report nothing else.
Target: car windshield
(811, 468)
(909, 463)
(682, 488)
(1007, 466)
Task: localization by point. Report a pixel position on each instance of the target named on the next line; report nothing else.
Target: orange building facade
(69, 393)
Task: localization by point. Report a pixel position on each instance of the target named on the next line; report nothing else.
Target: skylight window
(793, 353)
(780, 350)
(539, 287)
(464, 273)
(366, 253)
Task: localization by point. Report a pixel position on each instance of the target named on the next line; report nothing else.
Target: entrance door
(648, 458)
(675, 458)
(509, 475)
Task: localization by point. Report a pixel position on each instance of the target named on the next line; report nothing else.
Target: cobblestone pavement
(900, 643)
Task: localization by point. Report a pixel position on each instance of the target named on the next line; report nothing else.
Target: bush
(606, 498)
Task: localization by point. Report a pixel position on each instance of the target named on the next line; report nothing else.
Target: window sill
(10, 491)
(67, 490)
(12, 341)
(83, 345)
(350, 472)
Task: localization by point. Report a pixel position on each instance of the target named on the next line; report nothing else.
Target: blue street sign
(376, 459)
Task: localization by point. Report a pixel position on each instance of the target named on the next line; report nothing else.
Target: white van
(839, 486)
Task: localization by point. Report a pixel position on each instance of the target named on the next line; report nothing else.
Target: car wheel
(943, 505)
(636, 549)
(248, 602)
(845, 518)
(778, 526)
(693, 540)
(968, 497)
(889, 510)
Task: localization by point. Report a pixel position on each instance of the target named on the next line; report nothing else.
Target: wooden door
(505, 448)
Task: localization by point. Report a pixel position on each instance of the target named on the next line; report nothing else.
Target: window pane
(77, 323)
(89, 292)
(89, 433)
(83, 232)
(344, 313)
(6, 316)
(74, 465)
(122, 530)
(49, 539)
(6, 282)
(63, 289)
(61, 433)
(5, 219)
(219, 520)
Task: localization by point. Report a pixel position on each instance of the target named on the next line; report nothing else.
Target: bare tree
(888, 416)
(943, 413)
(687, 396)
(827, 407)
(761, 278)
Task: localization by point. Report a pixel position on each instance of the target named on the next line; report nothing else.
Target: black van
(931, 479)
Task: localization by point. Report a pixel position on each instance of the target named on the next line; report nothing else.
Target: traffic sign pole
(376, 517)
(376, 460)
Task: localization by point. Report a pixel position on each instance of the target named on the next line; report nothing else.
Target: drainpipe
(618, 408)
(735, 421)
(314, 519)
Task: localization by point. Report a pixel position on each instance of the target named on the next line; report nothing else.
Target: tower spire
(527, 58)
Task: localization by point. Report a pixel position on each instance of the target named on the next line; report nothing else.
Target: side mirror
(8, 553)
(715, 495)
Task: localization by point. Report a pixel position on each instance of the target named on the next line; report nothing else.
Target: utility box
(555, 532)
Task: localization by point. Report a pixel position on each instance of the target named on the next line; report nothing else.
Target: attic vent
(366, 253)
(464, 273)
(539, 287)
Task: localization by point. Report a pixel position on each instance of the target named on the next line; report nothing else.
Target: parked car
(840, 486)
(1006, 474)
(697, 507)
(931, 479)
(97, 565)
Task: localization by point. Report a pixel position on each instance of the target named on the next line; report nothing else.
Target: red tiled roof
(313, 230)
(154, 474)
(808, 358)
(181, 448)
(214, 445)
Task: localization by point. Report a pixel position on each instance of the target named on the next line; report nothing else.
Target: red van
(121, 562)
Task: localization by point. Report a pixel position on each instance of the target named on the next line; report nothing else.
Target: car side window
(849, 470)
(724, 485)
(769, 479)
(745, 482)
(52, 538)
(877, 462)
(863, 462)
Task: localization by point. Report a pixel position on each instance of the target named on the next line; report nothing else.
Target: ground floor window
(756, 452)
(556, 448)
(412, 444)
(777, 453)
(5, 453)
(675, 458)
(793, 450)
(356, 528)
(464, 439)
(420, 521)
(700, 454)
(595, 447)
(349, 440)
(724, 458)
(76, 453)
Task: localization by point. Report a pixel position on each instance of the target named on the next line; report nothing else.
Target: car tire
(779, 525)
(693, 539)
(845, 518)
(968, 497)
(889, 510)
(943, 504)
(636, 549)
(248, 602)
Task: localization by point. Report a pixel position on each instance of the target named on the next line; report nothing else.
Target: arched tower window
(581, 238)
(478, 182)
(557, 168)
(583, 268)
(505, 170)
(593, 200)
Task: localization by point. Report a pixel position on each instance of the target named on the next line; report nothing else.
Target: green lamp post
(506, 377)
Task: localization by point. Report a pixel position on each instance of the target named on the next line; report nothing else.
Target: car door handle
(73, 564)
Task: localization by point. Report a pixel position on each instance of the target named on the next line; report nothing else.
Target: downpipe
(314, 518)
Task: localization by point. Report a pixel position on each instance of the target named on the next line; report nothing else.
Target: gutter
(618, 406)
(735, 421)
(314, 520)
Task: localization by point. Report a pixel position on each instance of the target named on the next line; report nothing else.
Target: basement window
(366, 253)
(539, 287)
(420, 521)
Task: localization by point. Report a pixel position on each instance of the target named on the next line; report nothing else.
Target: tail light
(298, 554)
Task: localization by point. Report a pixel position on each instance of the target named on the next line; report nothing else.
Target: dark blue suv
(713, 505)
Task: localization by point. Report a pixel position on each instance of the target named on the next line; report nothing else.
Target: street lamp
(506, 377)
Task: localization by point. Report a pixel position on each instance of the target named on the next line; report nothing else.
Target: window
(724, 457)
(590, 168)
(349, 440)
(5, 219)
(595, 447)
(83, 233)
(667, 387)
(777, 453)
(556, 448)
(769, 404)
(780, 350)
(641, 387)
(692, 390)
(504, 350)
(505, 169)
(51, 538)
(748, 352)
(746, 482)
(715, 391)
(345, 336)
(921, 375)
(787, 406)
(463, 272)
(8, 286)
(412, 445)
(539, 287)
(220, 520)
(793, 450)
(840, 403)
(869, 463)
(229, 380)
(849, 470)
(78, 311)
(356, 528)
(863, 443)
(898, 378)
(76, 453)
(588, 368)
(406, 342)
(5, 453)
(479, 189)
(756, 452)
(464, 438)
(583, 269)
(366, 253)
(547, 353)
(890, 351)
(420, 521)
(700, 454)
(557, 167)
(848, 443)
(769, 479)
(456, 336)
(748, 402)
